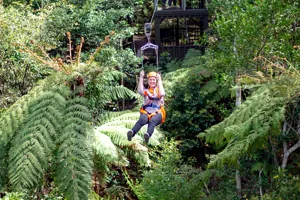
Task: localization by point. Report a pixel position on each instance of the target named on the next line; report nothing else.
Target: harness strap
(150, 115)
(150, 96)
(154, 98)
(151, 105)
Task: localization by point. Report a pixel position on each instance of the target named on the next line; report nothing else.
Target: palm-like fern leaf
(31, 148)
(74, 154)
(14, 116)
(117, 126)
(252, 122)
(121, 92)
(10, 123)
(107, 152)
(39, 123)
(192, 58)
(104, 146)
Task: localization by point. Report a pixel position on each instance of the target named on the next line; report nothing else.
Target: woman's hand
(142, 74)
(158, 77)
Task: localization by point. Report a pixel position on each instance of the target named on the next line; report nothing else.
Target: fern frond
(192, 58)
(10, 124)
(107, 152)
(249, 126)
(31, 148)
(103, 146)
(116, 128)
(13, 117)
(141, 154)
(74, 168)
(117, 135)
(121, 92)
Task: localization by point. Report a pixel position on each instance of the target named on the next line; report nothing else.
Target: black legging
(143, 120)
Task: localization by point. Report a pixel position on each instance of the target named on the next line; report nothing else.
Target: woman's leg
(154, 121)
(138, 125)
(141, 122)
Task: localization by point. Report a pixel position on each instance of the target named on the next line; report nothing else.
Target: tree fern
(260, 116)
(45, 121)
(54, 128)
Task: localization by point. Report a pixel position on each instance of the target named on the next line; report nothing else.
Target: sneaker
(129, 135)
(146, 137)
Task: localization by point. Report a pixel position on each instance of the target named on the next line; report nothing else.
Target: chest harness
(154, 101)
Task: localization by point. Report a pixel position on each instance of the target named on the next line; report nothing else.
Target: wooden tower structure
(179, 26)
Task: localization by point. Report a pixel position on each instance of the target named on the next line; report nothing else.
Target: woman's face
(152, 81)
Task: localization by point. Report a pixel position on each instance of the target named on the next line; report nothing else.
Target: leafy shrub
(170, 178)
(196, 100)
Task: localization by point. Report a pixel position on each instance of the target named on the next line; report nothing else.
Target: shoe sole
(146, 137)
(129, 135)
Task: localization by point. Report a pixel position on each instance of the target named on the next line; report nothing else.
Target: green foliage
(103, 90)
(13, 196)
(116, 127)
(18, 73)
(36, 134)
(74, 163)
(170, 178)
(30, 149)
(222, 185)
(113, 150)
(195, 100)
(287, 187)
(11, 121)
(243, 30)
(250, 125)
(284, 186)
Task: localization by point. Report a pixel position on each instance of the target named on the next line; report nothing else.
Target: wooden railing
(180, 4)
(180, 36)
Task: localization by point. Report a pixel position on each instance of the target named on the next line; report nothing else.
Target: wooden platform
(172, 39)
(178, 13)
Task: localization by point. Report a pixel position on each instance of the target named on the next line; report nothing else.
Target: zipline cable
(155, 8)
(147, 30)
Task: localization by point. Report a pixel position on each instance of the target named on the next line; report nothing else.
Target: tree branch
(288, 152)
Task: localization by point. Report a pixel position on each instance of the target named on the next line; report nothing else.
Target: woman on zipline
(152, 111)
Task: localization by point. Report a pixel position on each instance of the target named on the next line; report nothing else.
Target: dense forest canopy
(68, 81)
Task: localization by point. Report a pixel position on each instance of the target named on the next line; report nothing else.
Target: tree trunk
(286, 151)
(238, 183)
(123, 100)
(260, 183)
(238, 102)
(285, 156)
(122, 77)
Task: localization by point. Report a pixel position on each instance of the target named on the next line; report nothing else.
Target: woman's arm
(141, 87)
(161, 89)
